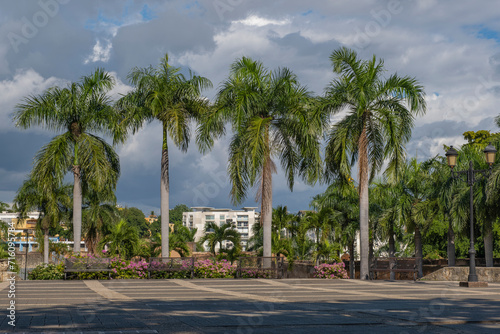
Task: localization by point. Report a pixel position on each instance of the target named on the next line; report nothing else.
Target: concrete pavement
(251, 306)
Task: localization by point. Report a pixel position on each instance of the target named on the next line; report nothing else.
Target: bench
(394, 264)
(260, 267)
(168, 265)
(87, 265)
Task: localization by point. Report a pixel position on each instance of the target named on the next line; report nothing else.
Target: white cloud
(23, 84)
(100, 52)
(254, 20)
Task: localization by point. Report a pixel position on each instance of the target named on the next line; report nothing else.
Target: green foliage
(216, 235)
(135, 218)
(47, 272)
(480, 138)
(122, 240)
(175, 214)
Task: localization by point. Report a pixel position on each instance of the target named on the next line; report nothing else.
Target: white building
(243, 220)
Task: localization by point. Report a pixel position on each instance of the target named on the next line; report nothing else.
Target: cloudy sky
(451, 46)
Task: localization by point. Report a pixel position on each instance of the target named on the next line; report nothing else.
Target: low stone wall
(491, 274)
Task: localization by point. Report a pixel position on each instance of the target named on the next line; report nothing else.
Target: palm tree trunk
(46, 246)
(488, 243)
(363, 205)
(391, 250)
(451, 244)
(418, 251)
(164, 197)
(267, 209)
(77, 210)
(352, 270)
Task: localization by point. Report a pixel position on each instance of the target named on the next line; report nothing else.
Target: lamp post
(470, 177)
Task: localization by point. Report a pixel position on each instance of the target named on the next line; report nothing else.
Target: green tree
(81, 109)
(485, 198)
(378, 124)
(4, 207)
(281, 221)
(122, 240)
(53, 204)
(164, 94)
(269, 117)
(99, 214)
(342, 197)
(216, 235)
(135, 217)
(175, 215)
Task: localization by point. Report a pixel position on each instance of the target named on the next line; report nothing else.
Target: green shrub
(47, 272)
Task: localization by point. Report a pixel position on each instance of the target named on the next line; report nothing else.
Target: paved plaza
(251, 306)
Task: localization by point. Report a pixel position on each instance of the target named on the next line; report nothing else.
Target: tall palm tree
(377, 125)
(81, 110)
(270, 119)
(216, 235)
(166, 95)
(54, 205)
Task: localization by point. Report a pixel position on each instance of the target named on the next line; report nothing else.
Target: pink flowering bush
(331, 271)
(173, 268)
(128, 269)
(214, 269)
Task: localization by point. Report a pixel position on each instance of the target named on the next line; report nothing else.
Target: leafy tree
(4, 207)
(175, 215)
(270, 120)
(80, 110)
(216, 235)
(53, 203)
(135, 217)
(99, 214)
(342, 197)
(122, 240)
(164, 94)
(378, 123)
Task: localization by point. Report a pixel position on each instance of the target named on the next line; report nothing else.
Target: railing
(162, 266)
(87, 265)
(394, 265)
(260, 267)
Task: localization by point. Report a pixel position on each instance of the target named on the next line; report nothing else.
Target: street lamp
(470, 177)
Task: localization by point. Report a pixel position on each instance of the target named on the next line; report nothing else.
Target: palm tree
(216, 235)
(270, 119)
(486, 207)
(99, 214)
(81, 109)
(342, 197)
(378, 123)
(122, 240)
(323, 222)
(54, 206)
(164, 94)
(281, 220)
(4, 206)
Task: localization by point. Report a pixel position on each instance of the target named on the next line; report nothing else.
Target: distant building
(243, 220)
(151, 218)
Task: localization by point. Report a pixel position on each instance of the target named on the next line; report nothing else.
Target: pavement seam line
(228, 293)
(100, 289)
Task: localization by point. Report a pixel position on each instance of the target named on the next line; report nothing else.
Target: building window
(210, 217)
(222, 217)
